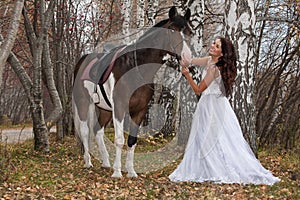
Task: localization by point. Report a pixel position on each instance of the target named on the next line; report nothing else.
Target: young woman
(216, 150)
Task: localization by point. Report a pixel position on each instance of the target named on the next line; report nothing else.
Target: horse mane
(161, 23)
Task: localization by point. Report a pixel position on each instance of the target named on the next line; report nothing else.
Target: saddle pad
(100, 66)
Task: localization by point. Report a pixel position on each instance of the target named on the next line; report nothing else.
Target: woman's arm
(201, 61)
(198, 89)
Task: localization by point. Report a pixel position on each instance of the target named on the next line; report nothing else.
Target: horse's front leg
(119, 143)
(132, 140)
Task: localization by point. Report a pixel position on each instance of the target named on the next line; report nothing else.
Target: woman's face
(215, 48)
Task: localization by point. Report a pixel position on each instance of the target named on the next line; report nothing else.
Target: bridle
(173, 48)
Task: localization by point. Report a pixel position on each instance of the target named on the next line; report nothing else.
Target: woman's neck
(214, 59)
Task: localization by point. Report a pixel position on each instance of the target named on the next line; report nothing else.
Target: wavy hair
(227, 65)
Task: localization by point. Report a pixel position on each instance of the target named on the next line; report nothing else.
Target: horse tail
(78, 64)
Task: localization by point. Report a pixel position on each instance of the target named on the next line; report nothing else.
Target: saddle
(101, 64)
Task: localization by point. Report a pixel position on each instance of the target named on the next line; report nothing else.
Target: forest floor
(59, 174)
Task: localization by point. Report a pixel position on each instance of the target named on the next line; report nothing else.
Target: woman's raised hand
(185, 60)
(185, 71)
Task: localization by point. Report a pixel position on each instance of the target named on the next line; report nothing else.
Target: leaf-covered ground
(27, 174)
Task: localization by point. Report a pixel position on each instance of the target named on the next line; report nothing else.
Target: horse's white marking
(129, 162)
(185, 49)
(119, 143)
(102, 148)
(84, 135)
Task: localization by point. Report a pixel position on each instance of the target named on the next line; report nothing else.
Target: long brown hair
(227, 65)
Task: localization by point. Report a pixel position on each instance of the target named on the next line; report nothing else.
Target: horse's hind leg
(84, 135)
(83, 114)
(103, 118)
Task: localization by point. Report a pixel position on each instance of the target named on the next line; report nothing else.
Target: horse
(127, 89)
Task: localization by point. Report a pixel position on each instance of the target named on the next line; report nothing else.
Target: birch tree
(127, 13)
(188, 97)
(278, 71)
(36, 34)
(6, 43)
(240, 26)
(151, 12)
(140, 13)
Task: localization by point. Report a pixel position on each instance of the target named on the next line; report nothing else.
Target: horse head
(177, 32)
(171, 35)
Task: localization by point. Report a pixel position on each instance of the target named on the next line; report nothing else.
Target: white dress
(216, 150)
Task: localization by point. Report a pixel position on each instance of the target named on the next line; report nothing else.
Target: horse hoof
(87, 166)
(105, 165)
(132, 174)
(117, 174)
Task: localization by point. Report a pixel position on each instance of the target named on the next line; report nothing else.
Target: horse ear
(172, 12)
(187, 15)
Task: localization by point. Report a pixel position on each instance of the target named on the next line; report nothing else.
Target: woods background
(41, 40)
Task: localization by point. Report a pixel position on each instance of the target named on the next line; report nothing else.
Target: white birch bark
(156, 109)
(188, 99)
(239, 24)
(151, 12)
(7, 44)
(197, 23)
(140, 13)
(127, 13)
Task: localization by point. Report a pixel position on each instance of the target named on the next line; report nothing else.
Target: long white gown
(216, 150)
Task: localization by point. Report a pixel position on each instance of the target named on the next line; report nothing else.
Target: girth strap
(104, 95)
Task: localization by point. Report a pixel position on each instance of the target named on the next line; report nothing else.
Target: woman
(216, 150)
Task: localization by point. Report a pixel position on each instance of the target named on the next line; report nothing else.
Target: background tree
(239, 25)
(6, 43)
(36, 33)
(277, 82)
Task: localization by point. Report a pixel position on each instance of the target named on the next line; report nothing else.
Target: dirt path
(17, 135)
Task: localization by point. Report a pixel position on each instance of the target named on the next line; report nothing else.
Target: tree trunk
(188, 99)
(151, 12)
(7, 44)
(240, 24)
(48, 72)
(37, 39)
(140, 13)
(40, 131)
(127, 13)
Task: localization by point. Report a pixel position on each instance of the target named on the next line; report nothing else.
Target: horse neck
(152, 46)
(152, 58)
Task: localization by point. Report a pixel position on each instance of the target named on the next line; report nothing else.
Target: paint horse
(127, 89)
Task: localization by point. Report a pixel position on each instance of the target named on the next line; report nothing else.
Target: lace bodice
(212, 72)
